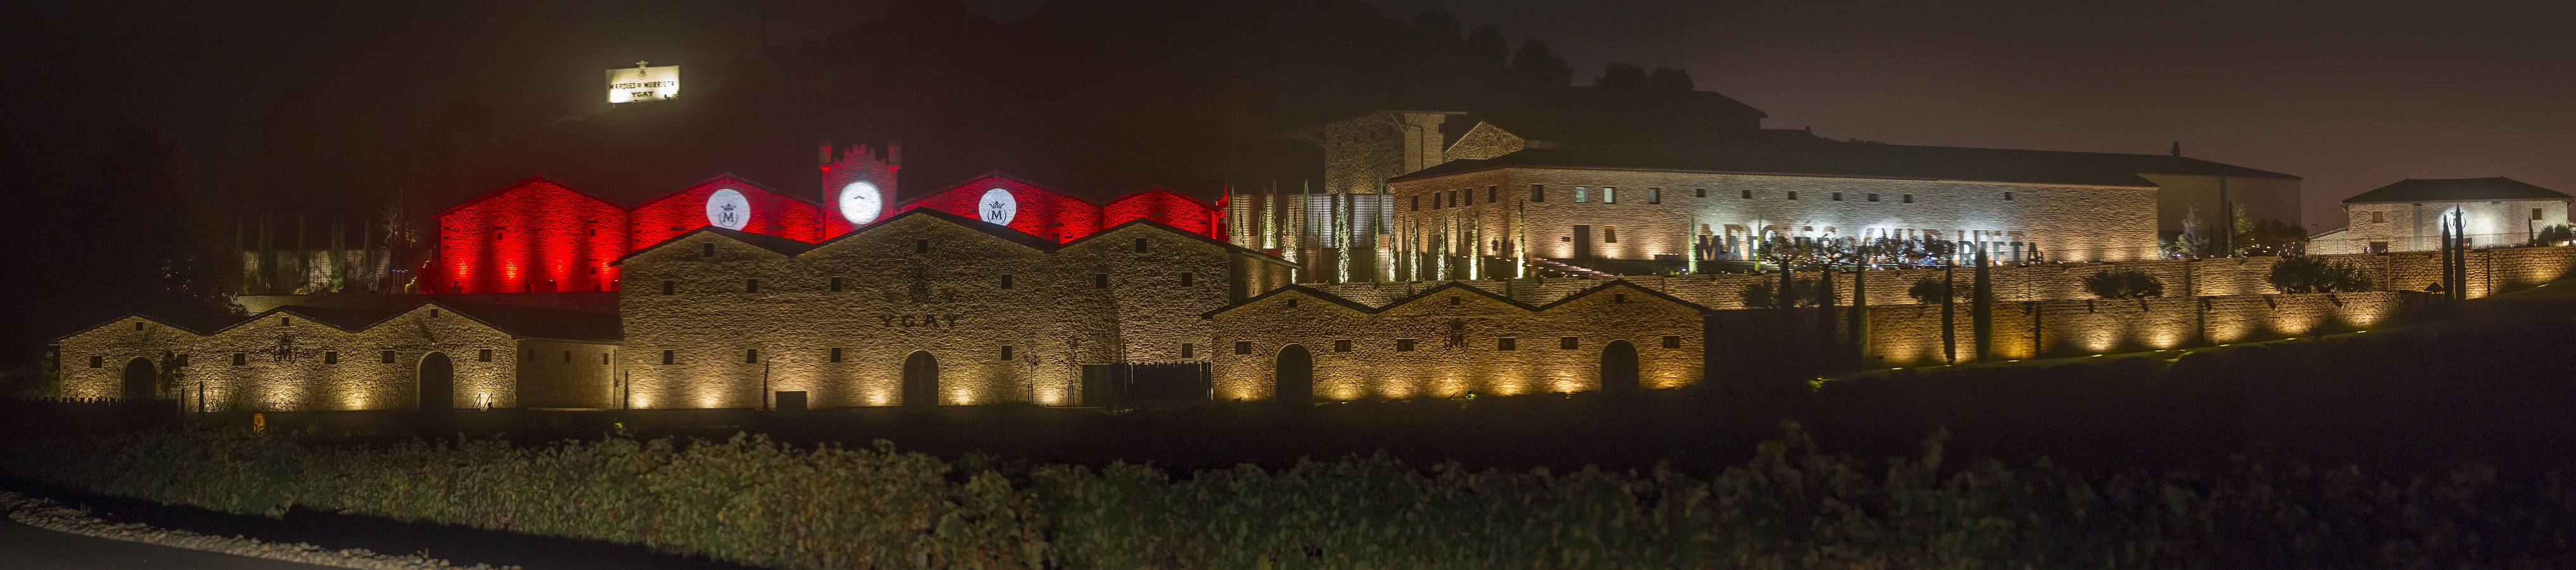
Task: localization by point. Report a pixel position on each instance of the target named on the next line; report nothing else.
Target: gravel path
(201, 551)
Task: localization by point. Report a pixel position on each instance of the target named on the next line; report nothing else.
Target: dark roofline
(762, 241)
(523, 183)
(2392, 188)
(1504, 161)
(147, 317)
(1620, 282)
(1229, 246)
(1309, 291)
(1427, 174)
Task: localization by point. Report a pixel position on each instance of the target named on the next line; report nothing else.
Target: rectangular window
(330, 357)
(1341, 346)
(1909, 198)
(1189, 350)
(603, 358)
(921, 246)
(2378, 217)
(388, 357)
(751, 356)
(668, 286)
(1793, 194)
(1609, 195)
(567, 356)
(2535, 213)
(668, 356)
(1618, 297)
(180, 360)
(1188, 279)
(1404, 345)
(242, 359)
(1140, 245)
(1469, 196)
(433, 313)
(484, 355)
(1493, 194)
(1699, 192)
(1453, 198)
(751, 285)
(284, 321)
(2007, 195)
(138, 325)
(1006, 281)
(1654, 195)
(1417, 202)
(835, 355)
(1873, 197)
(1006, 352)
(1746, 193)
(1671, 341)
(1507, 343)
(707, 249)
(1569, 342)
(1609, 234)
(1582, 194)
(836, 284)
(1838, 196)
(98, 362)
(1243, 347)
(1538, 192)
(1099, 280)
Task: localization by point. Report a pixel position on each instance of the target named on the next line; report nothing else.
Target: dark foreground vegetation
(753, 501)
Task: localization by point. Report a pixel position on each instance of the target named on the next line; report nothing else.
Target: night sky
(2349, 96)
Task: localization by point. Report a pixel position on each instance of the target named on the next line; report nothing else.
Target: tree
(1539, 67)
(2271, 237)
(2302, 274)
(1487, 49)
(1621, 77)
(1669, 81)
(2124, 284)
(2189, 243)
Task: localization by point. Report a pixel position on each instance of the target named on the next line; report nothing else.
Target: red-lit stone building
(1170, 208)
(1021, 205)
(533, 236)
(728, 202)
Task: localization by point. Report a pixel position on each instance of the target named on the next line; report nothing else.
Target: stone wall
(299, 364)
(1485, 141)
(1456, 343)
(559, 374)
(2039, 329)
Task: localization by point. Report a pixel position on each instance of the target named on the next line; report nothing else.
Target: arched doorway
(437, 382)
(139, 377)
(1619, 367)
(920, 379)
(1296, 374)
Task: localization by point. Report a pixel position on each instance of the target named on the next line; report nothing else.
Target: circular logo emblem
(728, 209)
(860, 203)
(997, 206)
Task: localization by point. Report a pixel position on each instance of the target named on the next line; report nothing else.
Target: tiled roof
(1864, 160)
(2456, 190)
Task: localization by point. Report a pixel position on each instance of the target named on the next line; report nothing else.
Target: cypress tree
(1949, 304)
(1982, 308)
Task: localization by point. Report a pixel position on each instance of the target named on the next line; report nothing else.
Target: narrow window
(668, 286)
(389, 357)
(1453, 198)
(1404, 345)
(1243, 347)
(1099, 280)
(1471, 196)
(1538, 192)
(1746, 193)
(2535, 213)
(1417, 202)
(1582, 194)
(138, 325)
(499, 235)
(330, 357)
(1699, 192)
(1493, 194)
(835, 355)
(1569, 343)
(433, 313)
(1838, 196)
(240, 359)
(1189, 350)
(1609, 234)
(1609, 195)
(1006, 352)
(921, 245)
(1654, 195)
(1873, 197)
(98, 362)
(567, 357)
(1909, 198)
(836, 284)
(284, 321)
(603, 358)
(2007, 194)
(1435, 201)
(1341, 346)
(1671, 341)
(1793, 194)
(707, 249)
(751, 356)
(1188, 279)
(667, 356)
(1140, 245)
(180, 360)
(751, 285)
(484, 355)
(1006, 281)
(1506, 343)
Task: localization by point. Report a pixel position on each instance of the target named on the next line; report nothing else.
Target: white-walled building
(2407, 215)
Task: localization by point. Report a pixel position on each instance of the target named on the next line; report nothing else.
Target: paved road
(31, 548)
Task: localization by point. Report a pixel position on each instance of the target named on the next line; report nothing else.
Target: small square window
(1747, 193)
(284, 321)
(668, 287)
(179, 360)
(1699, 192)
(98, 362)
(836, 284)
(1538, 192)
(1140, 245)
(138, 325)
(1006, 281)
(1341, 346)
(1453, 300)
(2007, 195)
(668, 356)
(1569, 342)
(1506, 343)
(1873, 197)
(1793, 194)
(1654, 195)
(1609, 234)
(1618, 297)
(751, 356)
(1189, 279)
(707, 249)
(1099, 280)
(1582, 194)
(2378, 217)
(1243, 347)
(921, 245)
(1006, 352)
(1909, 198)
(835, 355)
(1292, 303)
(330, 357)
(1838, 196)
(1671, 341)
(2535, 213)
(484, 355)
(1189, 350)
(388, 357)
(1404, 345)
(751, 285)
(241, 359)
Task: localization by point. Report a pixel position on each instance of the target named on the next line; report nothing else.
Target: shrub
(1929, 291)
(2303, 274)
(2128, 284)
(2554, 235)
(1766, 293)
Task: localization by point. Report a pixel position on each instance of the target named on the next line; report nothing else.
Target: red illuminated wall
(1043, 213)
(1163, 205)
(533, 236)
(772, 213)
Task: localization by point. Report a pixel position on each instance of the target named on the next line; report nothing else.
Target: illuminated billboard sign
(642, 83)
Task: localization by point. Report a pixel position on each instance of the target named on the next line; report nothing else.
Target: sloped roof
(1863, 160)
(1229, 246)
(198, 322)
(1427, 293)
(524, 183)
(782, 246)
(2456, 190)
(792, 248)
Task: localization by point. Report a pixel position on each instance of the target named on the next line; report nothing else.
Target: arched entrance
(139, 377)
(1619, 367)
(1296, 374)
(437, 382)
(920, 379)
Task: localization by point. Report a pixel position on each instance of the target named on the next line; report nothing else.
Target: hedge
(752, 501)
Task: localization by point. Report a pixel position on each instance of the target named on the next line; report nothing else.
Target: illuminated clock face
(728, 209)
(997, 206)
(860, 203)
